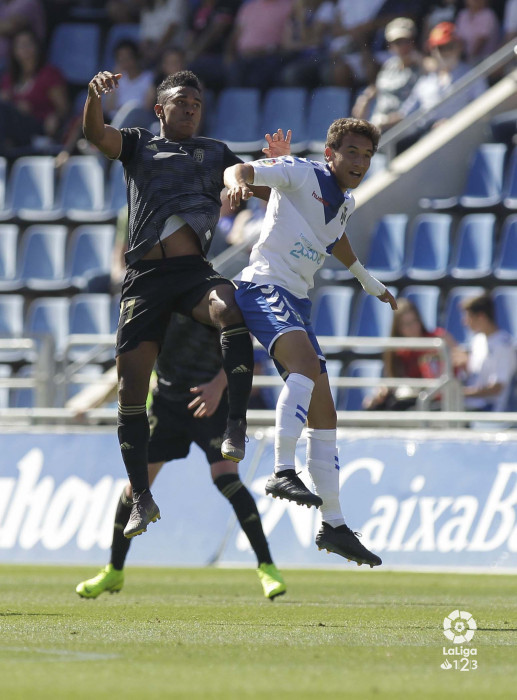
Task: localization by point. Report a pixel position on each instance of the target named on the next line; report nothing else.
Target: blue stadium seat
(4, 213)
(117, 194)
(453, 313)
(116, 34)
(428, 254)
(237, 119)
(90, 253)
(42, 258)
(285, 108)
(88, 372)
(11, 324)
(9, 280)
(387, 248)
(74, 49)
(505, 302)
(426, 298)
(114, 313)
(23, 397)
(48, 316)
(510, 183)
(473, 249)
(484, 186)
(90, 313)
(334, 368)
(371, 318)
(5, 373)
(132, 114)
(331, 310)
(30, 191)
(325, 105)
(505, 263)
(351, 398)
(81, 190)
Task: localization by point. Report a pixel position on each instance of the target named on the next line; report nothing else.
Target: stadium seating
(116, 195)
(505, 302)
(23, 397)
(74, 49)
(31, 190)
(81, 190)
(371, 318)
(5, 373)
(351, 398)
(114, 313)
(426, 298)
(505, 263)
(473, 250)
(90, 254)
(429, 244)
(131, 114)
(453, 313)
(48, 316)
(331, 310)
(3, 187)
(42, 258)
(237, 119)
(387, 248)
(9, 280)
(11, 324)
(325, 105)
(484, 185)
(90, 313)
(510, 184)
(285, 108)
(88, 372)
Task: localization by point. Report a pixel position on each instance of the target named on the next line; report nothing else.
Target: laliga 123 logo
(459, 627)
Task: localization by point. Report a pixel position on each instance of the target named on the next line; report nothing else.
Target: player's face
(351, 160)
(180, 113)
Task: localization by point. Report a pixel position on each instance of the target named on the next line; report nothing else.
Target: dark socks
(120, 544)
(133, 436)
(247, 514)
(237, 351)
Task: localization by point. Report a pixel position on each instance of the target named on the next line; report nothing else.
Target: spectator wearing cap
(396, 78)
(477, 27)
(430, 88)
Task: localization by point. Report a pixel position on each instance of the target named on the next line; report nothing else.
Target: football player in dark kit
(173, 183)
(189, 406)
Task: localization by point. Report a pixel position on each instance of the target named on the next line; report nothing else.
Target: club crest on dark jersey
(198, 155)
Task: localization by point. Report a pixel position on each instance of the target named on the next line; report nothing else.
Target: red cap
(442, 34)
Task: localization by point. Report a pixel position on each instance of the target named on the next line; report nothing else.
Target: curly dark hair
(346, 125)
(183, 78)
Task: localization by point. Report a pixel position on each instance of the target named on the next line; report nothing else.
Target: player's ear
(158, 110)
(327, 153)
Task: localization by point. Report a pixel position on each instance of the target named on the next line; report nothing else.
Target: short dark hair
(183, 78)
(346, 125)
(482, 304)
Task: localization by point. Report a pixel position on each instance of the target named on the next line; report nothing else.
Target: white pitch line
(68, 654)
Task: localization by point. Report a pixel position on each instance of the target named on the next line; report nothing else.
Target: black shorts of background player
(189, 406)
(173, 182)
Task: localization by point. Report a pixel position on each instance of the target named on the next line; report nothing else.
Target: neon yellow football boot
(271, 579)
(108, 579)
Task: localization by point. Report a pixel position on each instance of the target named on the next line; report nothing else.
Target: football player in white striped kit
(305, 222)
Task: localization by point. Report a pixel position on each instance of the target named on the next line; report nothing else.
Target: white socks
(323, 465)
(291, 413)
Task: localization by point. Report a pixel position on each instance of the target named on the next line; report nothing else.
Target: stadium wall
(427, 499)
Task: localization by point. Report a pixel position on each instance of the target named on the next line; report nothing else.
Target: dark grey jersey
(171, 177)
(190, 355)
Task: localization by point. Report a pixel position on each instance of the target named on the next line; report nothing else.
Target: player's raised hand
(388, 298)
(278, 144)
(103, 82)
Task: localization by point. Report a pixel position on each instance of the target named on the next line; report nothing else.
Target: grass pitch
(209, 633)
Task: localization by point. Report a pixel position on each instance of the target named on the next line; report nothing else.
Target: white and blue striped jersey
(306, 215)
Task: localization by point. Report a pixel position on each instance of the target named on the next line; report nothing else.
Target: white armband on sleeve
(368, 282)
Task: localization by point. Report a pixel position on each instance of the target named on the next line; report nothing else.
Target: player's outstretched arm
(105, 137)
(237, 179)
(344, 253)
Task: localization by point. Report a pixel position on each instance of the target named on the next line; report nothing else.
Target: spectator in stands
(396, 78)
(162, 22)
(134, 84)
(437, 12)
(416, 364)
(510, 21)
(34, 101)
(123, 11)
(253, 51)
(172, 61)
(307, 35)
(490, 362)
(429, 89)
(16, 15)
(478, 29)
(210, 26)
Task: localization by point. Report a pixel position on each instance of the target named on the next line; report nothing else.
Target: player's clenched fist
(103, 82)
